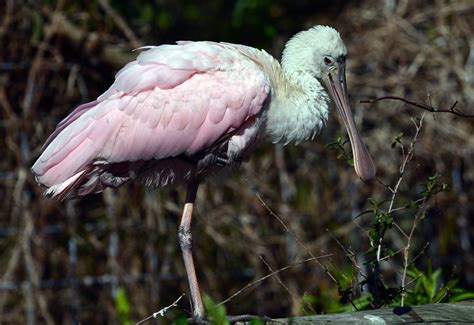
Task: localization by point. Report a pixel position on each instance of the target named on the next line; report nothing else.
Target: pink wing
(173, 100)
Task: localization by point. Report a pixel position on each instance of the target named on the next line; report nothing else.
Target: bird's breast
(297, 115)
(244, 139)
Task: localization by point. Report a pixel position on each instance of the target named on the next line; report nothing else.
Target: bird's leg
(185, 241)
(224, 160)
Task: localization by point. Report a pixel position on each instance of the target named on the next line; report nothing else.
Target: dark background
(89, 260)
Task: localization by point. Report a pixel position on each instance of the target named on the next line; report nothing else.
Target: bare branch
(121, 23)
(420, 253)
(160, 312)
(253, 283)
(406, 250)
(31, 93)
(348, 253)
(91, 44)
(426, 107)
(292, 294)
(407, 158)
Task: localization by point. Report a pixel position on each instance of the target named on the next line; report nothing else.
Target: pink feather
(173, 100)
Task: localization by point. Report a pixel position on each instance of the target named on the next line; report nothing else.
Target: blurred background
(114, 257)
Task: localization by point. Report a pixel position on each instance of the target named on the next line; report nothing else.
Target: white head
(321, 53)
(309, 50)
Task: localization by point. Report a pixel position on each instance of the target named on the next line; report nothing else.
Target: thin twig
(414, 279)
(417, 219)
(350, 255)
(407, 157)
(420, 253)
(7, 17)
(426, 107)
(160, 312)
(33, 275)
(37, 63)
(406, 250)
(121, 23)
(253, 283)
(292, 294)
(391, 255)
(326, 270)
(11, 267)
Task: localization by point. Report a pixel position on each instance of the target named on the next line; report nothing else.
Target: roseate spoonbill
(180, 111)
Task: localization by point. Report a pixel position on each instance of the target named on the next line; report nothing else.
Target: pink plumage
(169, 115)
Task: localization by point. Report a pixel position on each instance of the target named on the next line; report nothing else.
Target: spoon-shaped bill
(336, 84)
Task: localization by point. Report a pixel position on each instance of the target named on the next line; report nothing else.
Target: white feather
(57, 189)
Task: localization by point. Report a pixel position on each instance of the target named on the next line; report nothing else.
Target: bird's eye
(327, 60)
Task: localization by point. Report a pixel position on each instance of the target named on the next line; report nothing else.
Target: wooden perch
(462, 312)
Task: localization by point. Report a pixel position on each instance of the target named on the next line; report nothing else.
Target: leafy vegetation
(429, 288)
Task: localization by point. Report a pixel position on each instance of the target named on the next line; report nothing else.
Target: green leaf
(427, 289)
(122, 306)
(397, 140)
(374, 237)
(388, 252)
(373, 203)
(256, 321)
(439, 296)
(182, 319)
(37, 29)
(216, 313)
(330, 145)
(465, 295)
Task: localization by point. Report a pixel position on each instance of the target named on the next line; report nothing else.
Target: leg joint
(185, 237)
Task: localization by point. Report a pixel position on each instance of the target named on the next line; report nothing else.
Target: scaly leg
(185, 241)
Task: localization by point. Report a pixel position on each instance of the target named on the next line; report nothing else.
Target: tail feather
(62, 190)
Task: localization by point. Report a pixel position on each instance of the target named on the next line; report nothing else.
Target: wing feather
(173, 100)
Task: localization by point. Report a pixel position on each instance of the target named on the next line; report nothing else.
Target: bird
(180, 112)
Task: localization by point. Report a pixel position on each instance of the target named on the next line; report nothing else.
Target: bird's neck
(299, 107)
